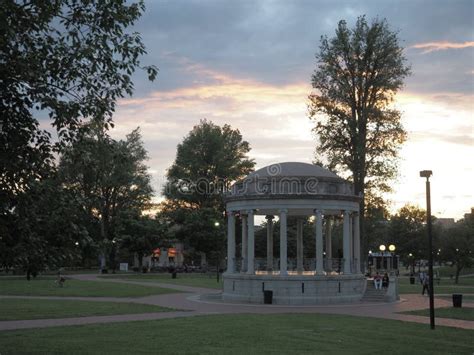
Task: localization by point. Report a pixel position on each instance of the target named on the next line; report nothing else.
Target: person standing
(426, 285)
(422, 277)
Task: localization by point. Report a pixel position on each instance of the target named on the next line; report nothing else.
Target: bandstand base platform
(294, 289)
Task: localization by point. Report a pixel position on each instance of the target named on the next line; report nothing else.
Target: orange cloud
(273, 118)
(221, 94)
(440, 46)
(223, 89)
(256, 107)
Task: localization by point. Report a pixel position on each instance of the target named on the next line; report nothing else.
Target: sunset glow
(262, 90)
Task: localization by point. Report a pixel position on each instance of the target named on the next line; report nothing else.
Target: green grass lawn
(191, 279)
(446, 271)
(16, 309)
(464, 313)
(465, 281)
(46, 286)
(244, 334)
(465, 286)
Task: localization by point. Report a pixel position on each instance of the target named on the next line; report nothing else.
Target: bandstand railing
(330, 265)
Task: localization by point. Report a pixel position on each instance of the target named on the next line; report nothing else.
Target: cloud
(272, 118)
(443, 45)
(460, 139)
(249, 64)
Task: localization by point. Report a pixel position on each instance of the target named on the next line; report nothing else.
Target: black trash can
(457, 300)
(173, 275)
(412, 280)
(268, 297)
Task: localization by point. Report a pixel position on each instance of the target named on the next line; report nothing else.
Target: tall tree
(69, 60)
(46, 229)
(140, 235)
(407, 230)
(358, 73)
(457, 245)
(208, 160)
(109, 179)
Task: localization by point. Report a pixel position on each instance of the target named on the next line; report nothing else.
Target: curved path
(196, 301)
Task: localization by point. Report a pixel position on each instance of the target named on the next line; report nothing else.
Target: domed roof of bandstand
(293, 169)
(291, 180)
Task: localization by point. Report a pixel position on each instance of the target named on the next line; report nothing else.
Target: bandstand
(301, 191)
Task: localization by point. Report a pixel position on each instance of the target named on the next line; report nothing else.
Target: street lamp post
(391, 248)
(426, 174)
(412, 262)
(382, 250)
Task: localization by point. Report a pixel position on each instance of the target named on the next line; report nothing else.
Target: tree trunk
(359, 179)
(458, 271)
(363, 236)
(140, 260)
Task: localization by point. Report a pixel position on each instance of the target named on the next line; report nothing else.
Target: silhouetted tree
(208, 160)
(358, 73)
(457, 245)
(109, 180)
(69, 60)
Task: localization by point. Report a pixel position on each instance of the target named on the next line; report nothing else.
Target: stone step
(381, 295)
(372, 294)
(375, 291)
(373, 300)
(378, 295)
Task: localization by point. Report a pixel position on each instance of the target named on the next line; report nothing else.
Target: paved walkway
(196, 301)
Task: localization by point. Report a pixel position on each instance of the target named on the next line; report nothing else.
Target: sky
(249, 64)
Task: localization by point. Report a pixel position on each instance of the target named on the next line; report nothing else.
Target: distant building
(469, 215)
(445, 222)
(163, 257)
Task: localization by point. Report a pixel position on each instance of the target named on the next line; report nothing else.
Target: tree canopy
(109, 180)
(64, 62)
(44, 230)
(208, 160)
(457, 245)
(359, 71)
(407, 230)
(69, 60)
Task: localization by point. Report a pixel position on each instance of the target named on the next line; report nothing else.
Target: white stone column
(357, 243)
(269, 243)
(251, 244)
(319, 242)
(230, 242)
(328, 237)
(243, 267)
(299, 246)
(346, 244)
(283, 243)
(351, 241)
